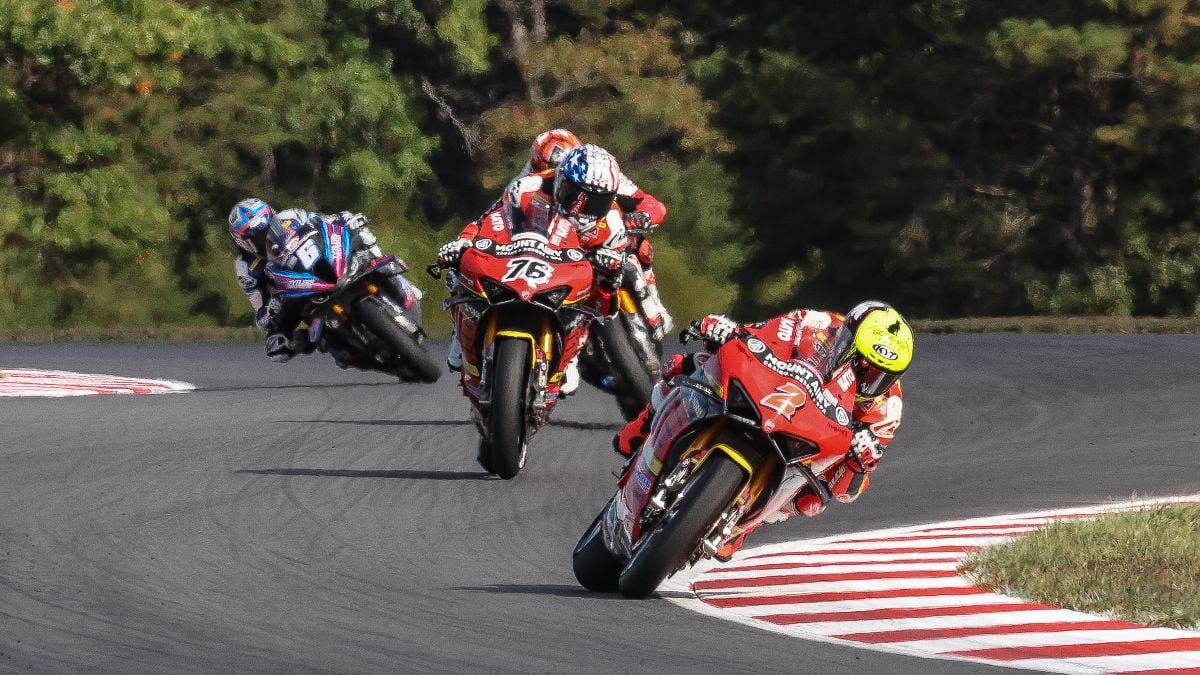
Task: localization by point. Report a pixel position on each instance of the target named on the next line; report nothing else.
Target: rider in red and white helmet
(582, 190)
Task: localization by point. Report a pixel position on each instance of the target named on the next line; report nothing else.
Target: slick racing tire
(412, 356)
(596, 568)
(635, 381)
(670, 542)
(508, 431)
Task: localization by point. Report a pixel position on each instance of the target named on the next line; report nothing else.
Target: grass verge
(1142, 566)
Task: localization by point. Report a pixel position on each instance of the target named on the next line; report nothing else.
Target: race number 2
(532, 270)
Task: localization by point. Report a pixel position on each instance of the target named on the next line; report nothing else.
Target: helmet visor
(574, 200)
(872, 380)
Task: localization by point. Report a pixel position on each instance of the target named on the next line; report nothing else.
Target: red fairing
(787, 370)
(526, 264)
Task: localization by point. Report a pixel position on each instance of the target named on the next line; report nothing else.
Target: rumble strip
(57, 383)
(896, 590)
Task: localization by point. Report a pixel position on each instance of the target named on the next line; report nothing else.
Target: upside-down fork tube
(542, 342)
(625, 301)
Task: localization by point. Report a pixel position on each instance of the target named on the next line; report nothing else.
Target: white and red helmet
(550, 147)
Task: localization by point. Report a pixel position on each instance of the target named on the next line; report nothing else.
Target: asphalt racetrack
(303, 518)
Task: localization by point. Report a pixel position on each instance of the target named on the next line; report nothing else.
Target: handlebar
(434, 270)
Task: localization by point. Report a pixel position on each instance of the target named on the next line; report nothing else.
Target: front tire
(507, 426)
(672, 540)
(595, 567)
(636, 382)
(411, 355)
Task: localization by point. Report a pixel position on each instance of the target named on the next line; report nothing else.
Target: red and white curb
(57, 383)
(897, 590)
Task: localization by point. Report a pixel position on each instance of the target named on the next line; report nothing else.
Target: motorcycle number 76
(531, 270)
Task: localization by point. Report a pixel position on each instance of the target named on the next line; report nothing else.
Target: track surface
(300, 517)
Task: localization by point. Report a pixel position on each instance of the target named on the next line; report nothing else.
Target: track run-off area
(898, 590)
(299, 517)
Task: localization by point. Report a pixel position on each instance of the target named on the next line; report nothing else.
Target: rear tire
(595, 567)
(671, 542)
(507, 427)
(411, 355)
(636, 383)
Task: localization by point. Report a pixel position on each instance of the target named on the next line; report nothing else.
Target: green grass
(1142, 566)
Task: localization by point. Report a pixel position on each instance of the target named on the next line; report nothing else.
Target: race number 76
(532, 270)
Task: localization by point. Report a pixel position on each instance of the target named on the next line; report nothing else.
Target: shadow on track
(314, 385)
(387, 423)
(558, 590)
(566, 424)
(587, 426)
(410, 474)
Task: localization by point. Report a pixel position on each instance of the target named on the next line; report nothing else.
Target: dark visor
(576, 201)
(873, 380)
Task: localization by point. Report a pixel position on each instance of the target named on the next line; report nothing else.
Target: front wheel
(412, 356)
(507, 426)
(595, 567)
(669, 544)
(635, 381)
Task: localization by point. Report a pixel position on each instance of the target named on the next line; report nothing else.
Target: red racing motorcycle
(730, 446)
(521, 308)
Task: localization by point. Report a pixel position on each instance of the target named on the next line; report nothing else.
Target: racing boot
(629, 439)
(570, 381)
(454, 357)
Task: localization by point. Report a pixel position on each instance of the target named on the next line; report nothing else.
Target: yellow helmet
(880, 344)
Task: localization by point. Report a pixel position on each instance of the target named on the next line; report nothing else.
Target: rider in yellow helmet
(872, 337)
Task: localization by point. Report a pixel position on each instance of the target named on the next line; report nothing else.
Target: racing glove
(449, 254)
(865, 451)
(354, 221)
(716, 328)
(638, 220)
(608, 259)
(278, 348)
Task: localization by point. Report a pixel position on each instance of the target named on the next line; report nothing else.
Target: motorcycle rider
(580, 191)
(251, 222)
(873, 337)
(641, 210)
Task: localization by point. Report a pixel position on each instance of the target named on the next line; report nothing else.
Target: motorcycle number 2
(785, 400)
(533, 271)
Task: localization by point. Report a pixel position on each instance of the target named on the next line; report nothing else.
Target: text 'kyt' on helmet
(249, 221)
(878, 342)
(549, 148)
(586, 184)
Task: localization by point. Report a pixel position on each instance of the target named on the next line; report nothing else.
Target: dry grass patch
(1142, 566)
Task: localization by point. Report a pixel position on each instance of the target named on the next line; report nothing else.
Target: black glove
(279, 349)
(637, 220)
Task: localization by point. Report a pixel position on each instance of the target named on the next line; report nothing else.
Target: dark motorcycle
(624, 353)
(348, 305)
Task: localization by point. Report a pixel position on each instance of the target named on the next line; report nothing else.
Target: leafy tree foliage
(957, 157)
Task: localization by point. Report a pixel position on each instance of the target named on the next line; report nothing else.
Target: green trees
(960, 157)
(956, 157)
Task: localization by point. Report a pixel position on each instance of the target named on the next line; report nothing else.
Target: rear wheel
(595, 567)
(635, 380)
(670, 543)
(412, 356)
(507, 426)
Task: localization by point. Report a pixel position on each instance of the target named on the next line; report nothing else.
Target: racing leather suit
(277, 318)
(874, 421)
